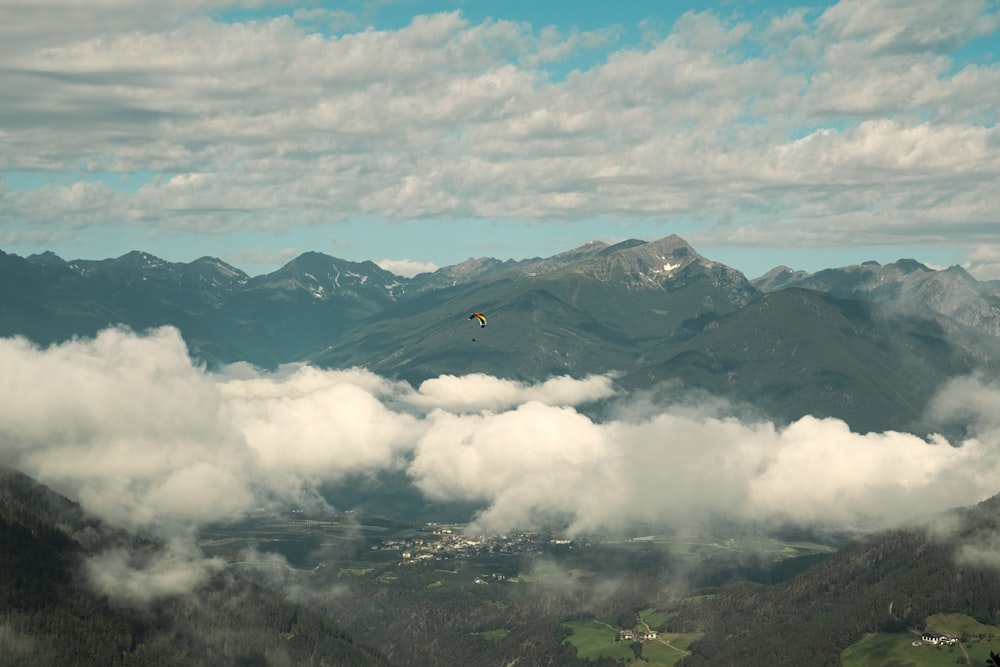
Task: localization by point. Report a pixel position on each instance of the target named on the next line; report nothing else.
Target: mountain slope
(796, 352)
(287, 315)
(46, 309)
(908, 283)
(51, 618)
(593, 310)
(199, 286)
(887, 582)
(50, 300)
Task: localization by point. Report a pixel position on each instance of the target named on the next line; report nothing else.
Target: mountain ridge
(645, 311)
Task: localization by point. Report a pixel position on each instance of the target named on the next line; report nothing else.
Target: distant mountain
(47, 304)
(795, 352)
(593, 310)
(908, 283)
(287, 315)
(471, 270)
(867, 343)
(314, 275)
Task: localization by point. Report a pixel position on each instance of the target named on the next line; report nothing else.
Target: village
(443, 543)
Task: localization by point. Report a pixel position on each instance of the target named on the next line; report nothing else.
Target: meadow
(899, 649)
(595, 638)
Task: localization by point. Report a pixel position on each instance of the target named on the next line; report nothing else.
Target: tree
(637, 649)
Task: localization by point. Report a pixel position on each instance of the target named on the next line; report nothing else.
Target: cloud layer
(142, 437)
(860, 123)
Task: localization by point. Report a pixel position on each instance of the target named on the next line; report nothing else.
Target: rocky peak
(321, 277)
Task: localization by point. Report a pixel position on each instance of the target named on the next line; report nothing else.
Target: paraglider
(480, 317)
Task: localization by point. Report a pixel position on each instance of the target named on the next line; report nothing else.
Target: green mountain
(593, 310)
(887, 582)
(795, 352)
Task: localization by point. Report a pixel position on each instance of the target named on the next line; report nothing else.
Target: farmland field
(898, 649)
(595, 638)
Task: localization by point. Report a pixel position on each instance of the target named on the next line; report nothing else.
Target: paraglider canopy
(480, 317)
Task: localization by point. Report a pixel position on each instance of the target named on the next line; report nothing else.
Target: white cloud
(890, 27)
(319, 426)
(477, 392)
(539, 463)
(983, 262)
(407, 267)
(137, 578)
(128, 426)
(970, 401)
(267, 123)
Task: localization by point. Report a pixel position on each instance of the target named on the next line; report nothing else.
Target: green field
(897, 649)
(596, 638)
(651, 618)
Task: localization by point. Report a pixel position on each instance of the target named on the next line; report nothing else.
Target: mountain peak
(588, 249)
(778, 277)
(675, 245)
(908, 266)
(47, 258)
(310, 257)
(664, 255)
(140, 259)
(667, 263)
(321, 277)
(628, 244)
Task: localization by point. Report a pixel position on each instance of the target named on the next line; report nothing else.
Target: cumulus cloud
(477, 392)
(319, 425)
(856, 125)
(539, 463)
(142, 437)
(127, 424)
(407, 267)
(984, 262)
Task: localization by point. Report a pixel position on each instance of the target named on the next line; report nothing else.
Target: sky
(420, 133)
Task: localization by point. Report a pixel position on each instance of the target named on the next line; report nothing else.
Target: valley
(354, 544)
(484, 585)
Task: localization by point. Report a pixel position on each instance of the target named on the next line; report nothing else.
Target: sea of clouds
(143, 437)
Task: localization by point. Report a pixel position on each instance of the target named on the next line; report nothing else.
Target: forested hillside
(50, 617)
(886, 582)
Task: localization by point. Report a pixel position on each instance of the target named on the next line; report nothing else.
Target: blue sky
(421, 133)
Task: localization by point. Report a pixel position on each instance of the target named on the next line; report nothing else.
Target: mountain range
(868, 344)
